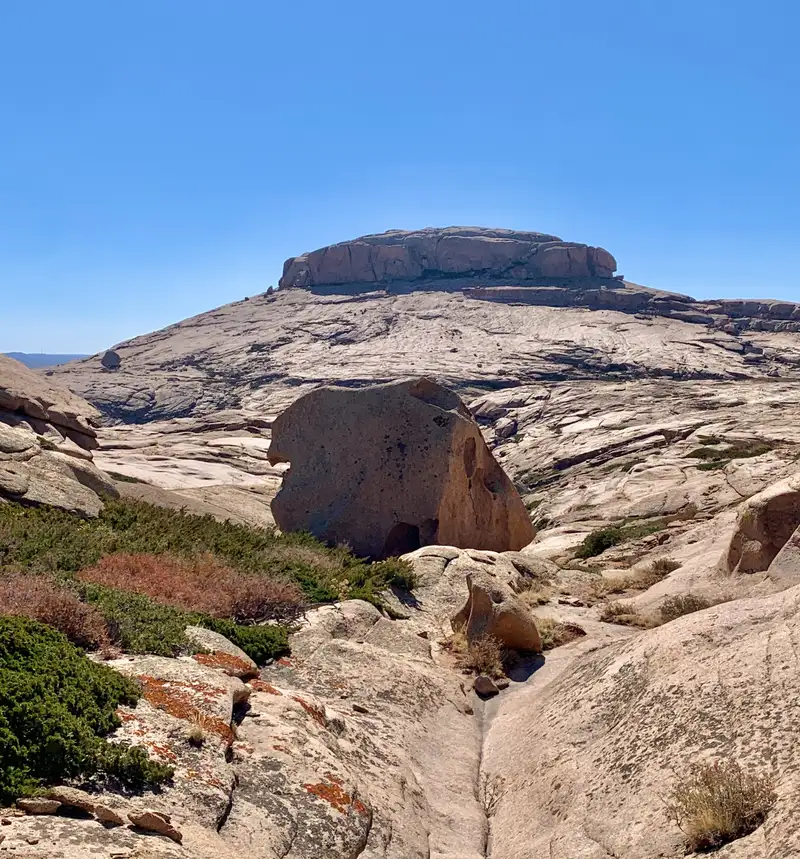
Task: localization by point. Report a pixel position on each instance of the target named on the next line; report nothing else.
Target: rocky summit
(586, 650)
(475, 309)
(410, 260)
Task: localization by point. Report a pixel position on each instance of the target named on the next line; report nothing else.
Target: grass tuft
(555, 633)
(715, 804)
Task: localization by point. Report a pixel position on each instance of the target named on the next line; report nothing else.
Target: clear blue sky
(162, 157)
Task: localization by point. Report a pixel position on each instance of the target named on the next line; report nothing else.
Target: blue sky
(163, 157)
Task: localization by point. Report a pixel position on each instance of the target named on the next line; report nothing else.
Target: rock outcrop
(46, 438)
(764, 525)
(422, 256)
(389, 468)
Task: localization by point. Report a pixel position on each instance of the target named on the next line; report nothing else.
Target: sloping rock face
(591, 754)
(46, 438)
(390, 468)
(260, 355)
(454, 252)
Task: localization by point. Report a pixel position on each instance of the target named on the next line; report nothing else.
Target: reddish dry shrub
(38, 598)
(201, 584)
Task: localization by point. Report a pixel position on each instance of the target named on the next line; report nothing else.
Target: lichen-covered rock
(389, 468)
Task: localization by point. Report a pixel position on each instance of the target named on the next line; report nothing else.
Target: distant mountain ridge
(36, 360)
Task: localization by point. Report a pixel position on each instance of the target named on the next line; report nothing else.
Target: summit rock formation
(410, 260)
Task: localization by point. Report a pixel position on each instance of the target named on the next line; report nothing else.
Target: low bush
(736, 449)
(715, 804)
(44, 539)
(555, 633)
(598, 541)
(39, 598)
(138, 624)
(56, 708)
(674, 607)
(626, 615)
(199, 584)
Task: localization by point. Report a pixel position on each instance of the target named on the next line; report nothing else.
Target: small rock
(31, 840)
(36, 805)
(5, 822)
(107, 815)
(502, 683)
(152, 821)
(111, 360)
(485, 686)
(423, 634)
(357, 708)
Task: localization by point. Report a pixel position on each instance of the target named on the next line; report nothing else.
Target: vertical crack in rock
(226, 813)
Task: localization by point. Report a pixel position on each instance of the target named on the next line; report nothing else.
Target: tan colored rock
(591, 745)
(106, 814)
(72, 797)
(153, 821)
(38, 805)
(764, 525)
(492, 612)
(31, 394)
(46, 435)
(390, 468)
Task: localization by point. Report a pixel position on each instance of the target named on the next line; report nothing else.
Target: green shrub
(397, 572)
(260, 643)
(139, 625)
(55, 708)
(43, 539)
(598, 541)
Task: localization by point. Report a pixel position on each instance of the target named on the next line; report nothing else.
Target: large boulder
(430, 254)
(764, 525)
(390, 468)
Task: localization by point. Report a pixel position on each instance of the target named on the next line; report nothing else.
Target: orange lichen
(178, 700)
(163, 752)
(127, 717)
(285, 662)
(333, 792)
(230, 664)
(316, 712)
(261, 686)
